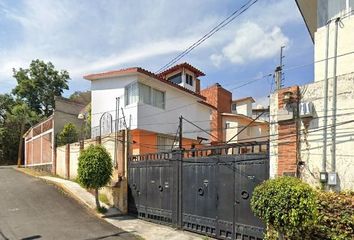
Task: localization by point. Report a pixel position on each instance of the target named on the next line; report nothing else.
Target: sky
(85, 37)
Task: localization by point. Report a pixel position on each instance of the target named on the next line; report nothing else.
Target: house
(232, 120)
(312, 125)
(150, 105)
(40, 139)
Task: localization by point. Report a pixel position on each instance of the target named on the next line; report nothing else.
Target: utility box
(332, 179)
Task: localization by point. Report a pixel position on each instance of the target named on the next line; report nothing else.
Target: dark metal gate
(208, 192)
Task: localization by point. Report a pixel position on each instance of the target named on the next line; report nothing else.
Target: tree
(18, 117)
(95, 169)
(69, 134)
(39, 84)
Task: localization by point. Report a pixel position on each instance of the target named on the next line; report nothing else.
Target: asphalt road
(32, 209)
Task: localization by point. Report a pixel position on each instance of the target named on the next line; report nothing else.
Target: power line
(217, 28)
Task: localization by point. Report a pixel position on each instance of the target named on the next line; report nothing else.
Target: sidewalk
(146, 230)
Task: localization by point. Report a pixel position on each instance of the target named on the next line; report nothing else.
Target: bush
(285, 204)
(335, 218)
(95, 168)
(69, 134)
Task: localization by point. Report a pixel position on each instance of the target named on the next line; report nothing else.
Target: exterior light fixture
(81, 116)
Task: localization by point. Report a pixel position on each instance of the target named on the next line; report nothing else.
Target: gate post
(177, 200)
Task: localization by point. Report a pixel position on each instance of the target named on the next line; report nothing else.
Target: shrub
(95, 169)
(69, 134)
(286, 204)
(335, 218)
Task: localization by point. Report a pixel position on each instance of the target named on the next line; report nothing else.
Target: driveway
(31, 209)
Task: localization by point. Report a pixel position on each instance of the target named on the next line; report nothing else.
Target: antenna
(278, 74)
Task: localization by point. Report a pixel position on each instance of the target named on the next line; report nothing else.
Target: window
(177, 78)
(158, 98)
(329, 9)
(131, 93)
(233, 106)
(189, 79)
(227, 125)
(165, 143)
(143, 93)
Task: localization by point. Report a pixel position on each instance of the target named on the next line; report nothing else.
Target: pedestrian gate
(207, 190)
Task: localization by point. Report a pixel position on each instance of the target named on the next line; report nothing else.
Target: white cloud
(216, 59)
(251, 43)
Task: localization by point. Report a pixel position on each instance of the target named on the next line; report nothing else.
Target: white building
(321, 133)
(151, 104)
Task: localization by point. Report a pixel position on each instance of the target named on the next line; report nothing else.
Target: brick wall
(288, 135)
(220, 98)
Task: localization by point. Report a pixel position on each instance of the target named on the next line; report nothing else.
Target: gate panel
(199, 196)
(225, 195)
(251, 170)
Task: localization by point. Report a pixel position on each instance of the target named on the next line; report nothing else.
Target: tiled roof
(133, 70)
(196, 71)
(243, 99)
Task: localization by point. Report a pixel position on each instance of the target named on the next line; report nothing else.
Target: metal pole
(334, 102)
(325, 103)
(180, 175)
(115, 133)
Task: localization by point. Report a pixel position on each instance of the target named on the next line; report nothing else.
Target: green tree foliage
(286, 204)
(39, 84)
(17, 120)
(69, 134)
(95, 169)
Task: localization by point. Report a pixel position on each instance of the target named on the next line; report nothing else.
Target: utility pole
(180, 133)
(278, 74)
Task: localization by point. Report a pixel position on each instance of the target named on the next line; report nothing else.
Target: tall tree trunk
(19, 156)
(96, 198)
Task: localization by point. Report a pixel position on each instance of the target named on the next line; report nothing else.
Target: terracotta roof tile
(196, 71)
(133, 70)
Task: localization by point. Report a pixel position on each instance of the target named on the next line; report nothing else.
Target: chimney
(221, 99)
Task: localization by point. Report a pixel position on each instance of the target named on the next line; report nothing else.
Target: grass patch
(101, 210)
(103, 198)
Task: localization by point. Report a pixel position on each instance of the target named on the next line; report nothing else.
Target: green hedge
(290, 206)
(285, 204)
(336, 216)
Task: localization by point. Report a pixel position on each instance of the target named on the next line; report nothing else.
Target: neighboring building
(261, 113)
(306, 140)
(40, 139)
(232, 119)
(151, 104)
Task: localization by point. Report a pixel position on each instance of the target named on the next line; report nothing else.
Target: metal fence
(206, 190)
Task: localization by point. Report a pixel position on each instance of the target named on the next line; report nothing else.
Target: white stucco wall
(244, 108)
(311, 138)
(104, 93)
(178, 103)
(345, 45)
(147, 117)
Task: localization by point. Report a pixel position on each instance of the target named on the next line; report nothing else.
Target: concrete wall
(311, 144)
(345, 64)
(310, 134)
